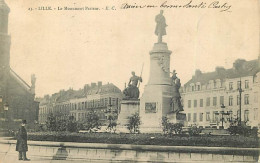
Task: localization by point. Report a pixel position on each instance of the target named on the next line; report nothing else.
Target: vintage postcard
(129, 80)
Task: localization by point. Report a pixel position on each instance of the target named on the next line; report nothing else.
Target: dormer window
(246, 84)
(230, 85)
(215, 84)
(198, 87)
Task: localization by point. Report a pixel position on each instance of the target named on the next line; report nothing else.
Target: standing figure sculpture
(132, 91)
(176, 100)
(160, 26)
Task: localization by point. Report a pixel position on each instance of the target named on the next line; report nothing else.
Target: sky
(72, 48)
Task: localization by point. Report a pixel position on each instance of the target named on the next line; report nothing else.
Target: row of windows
(82, 105)
(217, 116)
(219, 84)
(197, 87)
(239, 85)
(221, 101)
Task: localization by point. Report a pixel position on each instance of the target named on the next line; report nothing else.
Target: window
(230, 115)
(246, 114)
(201, 117)
(246, 99)
(215, 84)
(215, 116)
(195, 103)
(255, 97)
(238, 84)
(238, 100)
(189, 117)
(201, 102)
(231, 86)
(208, 116)
(198, 87)
(221, 101)
(194, 117)
(192, 88)
(246, 84)
(230, 101)
(214, 101)
(255, 114)
(189, 103)
(208, 101)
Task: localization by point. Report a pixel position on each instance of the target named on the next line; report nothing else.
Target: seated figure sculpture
(132, 91)
(176, 99)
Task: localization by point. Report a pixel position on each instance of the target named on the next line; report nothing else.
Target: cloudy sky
(72, 48)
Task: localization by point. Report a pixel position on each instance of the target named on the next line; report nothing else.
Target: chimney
(86, 88)
(220, 70)
(238, 64)
(47, 97)
(198, 73)
(93, 85)
(99, 84)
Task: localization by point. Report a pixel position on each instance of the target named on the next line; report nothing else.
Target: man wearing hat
(21, 145)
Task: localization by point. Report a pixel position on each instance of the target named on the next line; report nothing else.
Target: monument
(161, 95)
(130, 103)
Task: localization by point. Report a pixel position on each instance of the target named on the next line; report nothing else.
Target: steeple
(4, 37)
(4, 11)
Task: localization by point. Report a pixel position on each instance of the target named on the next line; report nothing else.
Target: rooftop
(93, 89)
(241, 68)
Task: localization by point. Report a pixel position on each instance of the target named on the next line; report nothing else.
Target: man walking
(21, 145)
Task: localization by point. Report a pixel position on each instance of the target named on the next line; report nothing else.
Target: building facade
(95, 97)
(213, 100)
(17, 98)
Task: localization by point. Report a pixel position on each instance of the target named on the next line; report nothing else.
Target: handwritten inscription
(191, 4)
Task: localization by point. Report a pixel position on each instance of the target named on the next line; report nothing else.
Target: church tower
(5, 42)
(4, 37)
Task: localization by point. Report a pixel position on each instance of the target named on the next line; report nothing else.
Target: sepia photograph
(129, 81)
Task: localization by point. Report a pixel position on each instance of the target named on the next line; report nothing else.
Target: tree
(92, 122)
(51, 122)
(112, 116)
(61, 125)
(177, 127)
(169, 127)
(111, 124)
(134, 123)
(194, 130)
(165, 125)
(72, 125)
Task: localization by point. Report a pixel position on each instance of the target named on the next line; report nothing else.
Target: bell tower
(4, 37)
(5, 42)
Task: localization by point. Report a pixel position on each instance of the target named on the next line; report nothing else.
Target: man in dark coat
(21, 145)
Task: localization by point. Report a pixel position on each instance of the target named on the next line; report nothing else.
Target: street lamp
(6, 107)
(222, 115)
(240, 96)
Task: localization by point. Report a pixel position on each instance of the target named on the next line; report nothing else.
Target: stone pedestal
(177, 118)
(156, 99)
(128, 108)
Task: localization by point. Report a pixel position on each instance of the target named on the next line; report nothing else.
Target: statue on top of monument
(160, 26)
(132, 91)
(176, 99)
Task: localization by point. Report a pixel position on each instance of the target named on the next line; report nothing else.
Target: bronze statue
(160, 26)
(176, 99)
(132, 91)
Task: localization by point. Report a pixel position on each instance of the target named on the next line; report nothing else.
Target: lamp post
(240, 96)
(222, 115)
(6, 107)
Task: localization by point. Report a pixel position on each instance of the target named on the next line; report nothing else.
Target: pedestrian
(21, 145)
